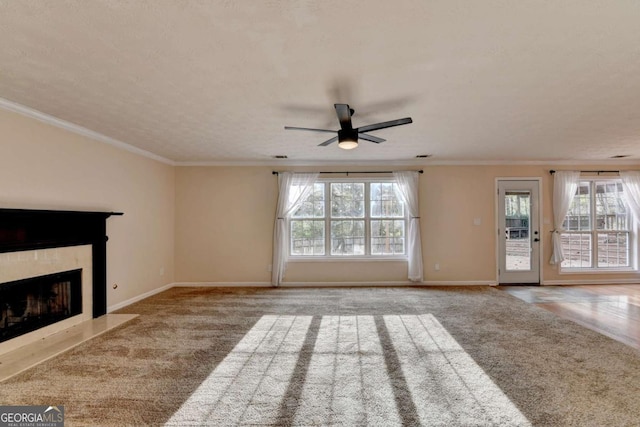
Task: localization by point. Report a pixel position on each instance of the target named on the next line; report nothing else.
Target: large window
(598, 228)
(349, 218)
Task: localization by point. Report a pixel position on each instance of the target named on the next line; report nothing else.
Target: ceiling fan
(348, 136)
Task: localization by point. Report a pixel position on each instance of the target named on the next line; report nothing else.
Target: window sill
(624, 270)
(347, 258)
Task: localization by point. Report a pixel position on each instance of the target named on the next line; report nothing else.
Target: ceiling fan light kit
(347, 139)
(347, 144)
(348, 136)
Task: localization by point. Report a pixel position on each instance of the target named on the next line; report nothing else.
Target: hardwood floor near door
(612, 310)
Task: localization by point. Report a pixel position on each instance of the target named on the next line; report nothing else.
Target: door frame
(541, 223)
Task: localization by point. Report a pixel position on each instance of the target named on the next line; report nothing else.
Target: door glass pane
(517, 228)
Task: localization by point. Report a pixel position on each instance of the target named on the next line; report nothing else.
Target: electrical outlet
(436, 266)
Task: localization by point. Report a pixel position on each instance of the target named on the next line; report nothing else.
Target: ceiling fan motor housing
(347, 135)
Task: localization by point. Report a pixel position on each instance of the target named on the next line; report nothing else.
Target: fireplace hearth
(29, 304)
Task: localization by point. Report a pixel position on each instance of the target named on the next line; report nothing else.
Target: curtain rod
(419, 171)
(598, 172)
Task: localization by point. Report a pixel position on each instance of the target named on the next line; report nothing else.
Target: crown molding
(302, 163)
(575, 162)
(79, 130)
(410, 163)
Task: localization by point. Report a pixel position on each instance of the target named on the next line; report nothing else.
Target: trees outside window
(598, 231)
(350, 218)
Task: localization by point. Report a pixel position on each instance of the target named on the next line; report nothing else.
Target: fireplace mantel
(29, 229)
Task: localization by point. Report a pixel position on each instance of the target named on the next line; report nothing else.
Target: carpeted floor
(339, 356)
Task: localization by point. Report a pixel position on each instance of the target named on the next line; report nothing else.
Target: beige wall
(224, 223)
(468, 252)
(45, 167)
(233, 207)
(224, 232)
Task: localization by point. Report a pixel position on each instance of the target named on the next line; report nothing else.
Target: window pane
(352, 231)
(313, 206)
(517, 204)
(579, 216)
(307, 237)
(384, 202)
(347, 200)
(613, 249)
(387, 237)
(347, 237)
(577, 250)
(517, 226)
(611, 212)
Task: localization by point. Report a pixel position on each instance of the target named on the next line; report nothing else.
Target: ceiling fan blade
(311, 129)
(371, 138)
(328, 141)
(344, 115)
(383, 125)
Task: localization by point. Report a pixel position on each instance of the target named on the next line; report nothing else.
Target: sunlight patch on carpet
(359, 370)
(347, 382)
(447, 386)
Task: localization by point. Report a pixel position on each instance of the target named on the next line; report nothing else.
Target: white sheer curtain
(565, 184)
(293, 190)
(631, 186)
(408, 191)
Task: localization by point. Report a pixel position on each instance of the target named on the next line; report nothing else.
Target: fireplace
(36, 302)
(28, 229)
(40, 244)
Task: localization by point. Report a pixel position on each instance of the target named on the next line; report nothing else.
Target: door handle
(536, 240)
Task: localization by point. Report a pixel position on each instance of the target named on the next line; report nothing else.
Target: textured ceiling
(216, 81)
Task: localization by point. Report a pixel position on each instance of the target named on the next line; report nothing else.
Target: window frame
(367, 218)
(593, 231)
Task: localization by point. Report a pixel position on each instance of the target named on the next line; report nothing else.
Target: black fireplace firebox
(36, 302)
(29, 229)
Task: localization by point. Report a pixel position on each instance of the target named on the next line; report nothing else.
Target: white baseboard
(344, 284)
(591, 282)
(140, 297)
(222, 284)
(459, 283)
(292, 284)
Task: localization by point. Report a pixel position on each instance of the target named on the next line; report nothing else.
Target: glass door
(518, 232)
